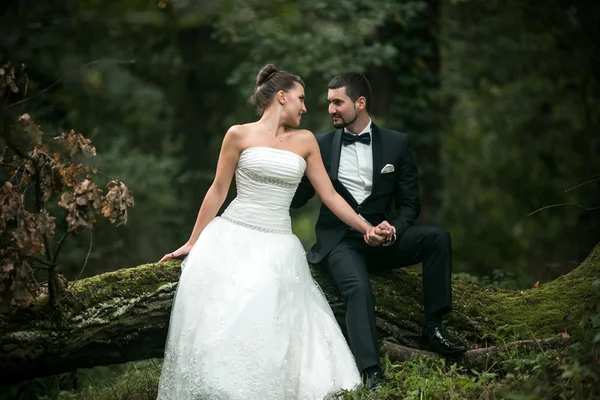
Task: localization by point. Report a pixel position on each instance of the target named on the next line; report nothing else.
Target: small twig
(7, 97)
(22, 174)
(565, 205)
(398, 352)
(44, 262)
(64, 76)
(86, 259)
(16, 175)
(107, 176)
(26, 84)
(26, 189)
(584, 183)
(60, 244)
(39, 203)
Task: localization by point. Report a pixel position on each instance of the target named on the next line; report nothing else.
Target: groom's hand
(383, 234)
(385, 228)
(374, 239)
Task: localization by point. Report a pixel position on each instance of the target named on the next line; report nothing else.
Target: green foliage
(499, 278)
(155, 89)
(134, 381)
(570, 372)
(522, 129)
(131, 381)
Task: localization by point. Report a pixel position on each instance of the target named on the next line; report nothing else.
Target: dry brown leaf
(33, 130)
(76, 143)
(116, 202)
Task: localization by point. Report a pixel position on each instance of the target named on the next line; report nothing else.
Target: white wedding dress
(248, 321)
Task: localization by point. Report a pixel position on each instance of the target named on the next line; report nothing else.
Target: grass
(569, 372)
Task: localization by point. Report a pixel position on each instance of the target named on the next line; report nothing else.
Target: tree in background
(37, 174)
(177, 79)
(510, 129)
(525, 89)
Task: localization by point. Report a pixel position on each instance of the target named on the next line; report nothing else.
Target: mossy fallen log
(123, 316)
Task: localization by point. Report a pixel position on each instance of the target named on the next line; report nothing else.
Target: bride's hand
(178, 254)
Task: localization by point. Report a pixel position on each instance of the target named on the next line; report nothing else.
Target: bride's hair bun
(266, 73)
(269, 81)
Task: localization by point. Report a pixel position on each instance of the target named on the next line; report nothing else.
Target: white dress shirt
(356, 170)
(356, 167)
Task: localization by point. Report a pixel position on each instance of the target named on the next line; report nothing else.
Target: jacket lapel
(336, 150)
(377, 148)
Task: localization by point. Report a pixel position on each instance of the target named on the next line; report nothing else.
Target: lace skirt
(249, 322)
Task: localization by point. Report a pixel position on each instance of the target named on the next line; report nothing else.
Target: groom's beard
(343, 124)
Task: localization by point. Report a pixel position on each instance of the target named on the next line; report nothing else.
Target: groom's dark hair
(356, 86)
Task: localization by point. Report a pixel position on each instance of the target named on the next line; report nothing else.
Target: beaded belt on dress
(269, 180)
(255, 227)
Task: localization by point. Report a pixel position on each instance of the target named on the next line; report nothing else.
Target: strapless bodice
(266, 180)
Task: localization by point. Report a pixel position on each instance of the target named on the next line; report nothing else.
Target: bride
(248, 321)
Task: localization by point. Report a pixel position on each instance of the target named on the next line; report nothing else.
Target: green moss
(484, 314)
(480, 313)
(122, 284)
(126, 283)
(535, 312)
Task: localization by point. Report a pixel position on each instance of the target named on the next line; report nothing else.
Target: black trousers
(348, 266)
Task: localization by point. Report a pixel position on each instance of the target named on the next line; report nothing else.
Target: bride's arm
(216, 194)
(316, 173)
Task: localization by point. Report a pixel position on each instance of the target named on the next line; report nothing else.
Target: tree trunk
(123, 316)
(406, 95)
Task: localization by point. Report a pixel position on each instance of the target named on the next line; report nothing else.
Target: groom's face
(341, 108)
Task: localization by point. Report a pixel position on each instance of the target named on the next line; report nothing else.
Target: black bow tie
(350, 138)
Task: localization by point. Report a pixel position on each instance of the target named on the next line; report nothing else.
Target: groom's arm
(406, 195)
(304, 193)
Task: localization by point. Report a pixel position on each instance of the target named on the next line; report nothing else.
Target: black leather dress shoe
(373, 381)
(435, 339)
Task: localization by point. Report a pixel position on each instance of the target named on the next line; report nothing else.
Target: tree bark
(123, 316)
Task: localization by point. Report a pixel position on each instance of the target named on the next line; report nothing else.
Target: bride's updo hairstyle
(269, 81)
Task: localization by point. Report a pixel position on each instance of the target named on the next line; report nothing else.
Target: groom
(371, 168)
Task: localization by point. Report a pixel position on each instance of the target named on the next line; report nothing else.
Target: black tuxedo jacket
(400, 186)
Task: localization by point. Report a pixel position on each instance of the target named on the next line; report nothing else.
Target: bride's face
(294, 106)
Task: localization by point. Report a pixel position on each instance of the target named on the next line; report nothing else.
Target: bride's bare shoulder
(238, 130)
(238, 133)
(306, 142)
(304, 135)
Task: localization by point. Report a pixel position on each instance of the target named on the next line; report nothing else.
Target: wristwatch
(391, 242)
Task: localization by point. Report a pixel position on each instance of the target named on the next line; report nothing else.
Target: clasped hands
(380, 234)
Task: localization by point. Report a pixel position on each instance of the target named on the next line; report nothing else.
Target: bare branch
(60, 243)
(39, 204)
(104, 61)
(86, 258)
(565, 205)
(107, 176)
(26, 85)
(472, 358)
(44, 262)
(584, 183)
